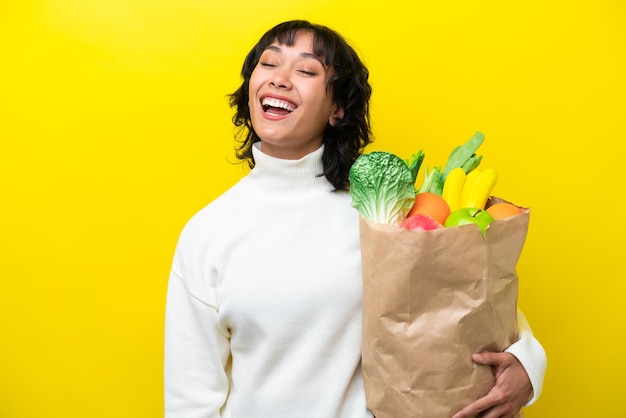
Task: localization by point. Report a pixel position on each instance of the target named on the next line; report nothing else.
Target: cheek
(253, 84)
(317, 96)
(252, 98)
(251, 101)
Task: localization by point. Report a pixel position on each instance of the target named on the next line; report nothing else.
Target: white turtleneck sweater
(264, 302)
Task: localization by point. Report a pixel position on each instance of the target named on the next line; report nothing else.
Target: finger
(496, 412)
(477, 406)
(493, 411)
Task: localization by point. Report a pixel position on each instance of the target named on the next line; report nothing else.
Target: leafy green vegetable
(433, 181)
(382, 187)
(464, 156)
(415, 163)
(471, 163)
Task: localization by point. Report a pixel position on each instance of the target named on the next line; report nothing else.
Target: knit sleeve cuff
(532, 356)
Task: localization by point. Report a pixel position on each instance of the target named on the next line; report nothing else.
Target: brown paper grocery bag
(431, 299)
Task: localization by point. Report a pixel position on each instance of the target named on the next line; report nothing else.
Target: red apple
(420, 222)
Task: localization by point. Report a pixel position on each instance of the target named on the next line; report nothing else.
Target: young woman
(264, 298)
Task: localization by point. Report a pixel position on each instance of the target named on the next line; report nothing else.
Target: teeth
(270, 101)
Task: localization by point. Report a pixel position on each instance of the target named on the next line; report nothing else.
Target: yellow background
(115, 129)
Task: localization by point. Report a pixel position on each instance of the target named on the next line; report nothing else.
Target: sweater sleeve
(196, 354)
(531, 354)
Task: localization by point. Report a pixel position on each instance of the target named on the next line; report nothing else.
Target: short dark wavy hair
(349, 87)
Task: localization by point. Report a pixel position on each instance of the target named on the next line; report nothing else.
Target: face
(289, 105)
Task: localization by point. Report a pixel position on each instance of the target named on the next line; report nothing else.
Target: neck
(290, 153)
(290, 175)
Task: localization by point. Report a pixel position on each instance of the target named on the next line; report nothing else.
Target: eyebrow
(302, 54)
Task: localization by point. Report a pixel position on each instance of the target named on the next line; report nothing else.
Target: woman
(264, 298)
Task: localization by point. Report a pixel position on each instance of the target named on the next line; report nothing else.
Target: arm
(519, 375)
(196, 355)
(531, 355)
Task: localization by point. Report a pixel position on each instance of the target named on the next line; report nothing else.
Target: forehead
(300, 40)
(302, 46)
(317, 44)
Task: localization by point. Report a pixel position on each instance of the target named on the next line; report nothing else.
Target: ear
(337, 115)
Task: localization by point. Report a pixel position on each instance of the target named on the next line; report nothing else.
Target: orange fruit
(503, 210)
(430, 204)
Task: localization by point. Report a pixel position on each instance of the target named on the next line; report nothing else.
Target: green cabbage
(382, 187)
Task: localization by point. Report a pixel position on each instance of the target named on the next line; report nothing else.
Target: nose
(280, 79)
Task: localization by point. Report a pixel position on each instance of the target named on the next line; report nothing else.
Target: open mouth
(277, 107)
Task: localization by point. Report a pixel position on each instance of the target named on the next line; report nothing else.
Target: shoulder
(202, 233)
(206, 220)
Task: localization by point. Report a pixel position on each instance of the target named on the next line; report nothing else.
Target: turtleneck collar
(290, 175)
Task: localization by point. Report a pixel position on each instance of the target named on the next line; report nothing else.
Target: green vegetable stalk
(433, 181)
(415, 163)
(464, 156)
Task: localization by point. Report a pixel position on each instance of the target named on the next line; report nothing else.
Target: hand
(509, 394)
